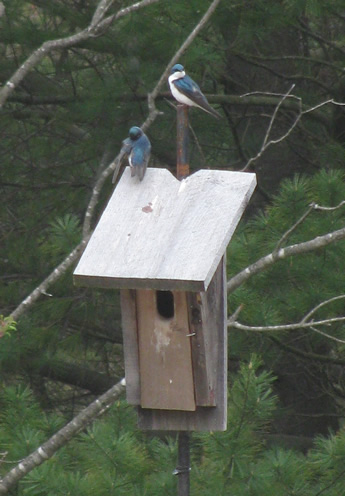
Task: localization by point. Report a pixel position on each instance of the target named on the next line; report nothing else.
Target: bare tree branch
(305, 323)
(97, 25)
(300, 112)
(329, 209)
(61, 438)
(292, 250)
(292, 228)
(266, 142)
(48, 281)
(290, 327)
(320, 305)
(101, 10)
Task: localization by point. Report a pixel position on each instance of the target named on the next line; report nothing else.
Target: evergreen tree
(62, 126)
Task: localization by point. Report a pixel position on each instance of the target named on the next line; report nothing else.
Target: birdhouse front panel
(165, 357)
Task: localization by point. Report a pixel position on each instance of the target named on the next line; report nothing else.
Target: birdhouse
(163, 243)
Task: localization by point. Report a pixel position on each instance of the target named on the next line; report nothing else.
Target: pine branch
(61, 438)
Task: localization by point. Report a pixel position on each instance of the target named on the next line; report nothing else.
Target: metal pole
(182, 165)
(183, 467)
(182, 171)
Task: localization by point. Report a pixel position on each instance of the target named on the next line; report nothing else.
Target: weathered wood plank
(130, 345)
(204, 311)
(163, 233)
(204, 418)
(203, 371)
(166, 375)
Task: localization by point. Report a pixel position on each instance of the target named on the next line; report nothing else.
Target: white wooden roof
(162, 233)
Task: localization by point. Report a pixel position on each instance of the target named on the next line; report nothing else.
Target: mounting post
(182, 171)
(182, 166)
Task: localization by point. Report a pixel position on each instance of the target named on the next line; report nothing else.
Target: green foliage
(62, 235)
(113, 457)
(327, 463)
(7, 325)
(61, 126)
(18, 438)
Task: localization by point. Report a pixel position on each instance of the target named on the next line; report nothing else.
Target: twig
(320, 305)
(322, 104)
(305, 323)
(312, 206)
(266, 142)
(289, 327)
(269, 129)
(292, 228)
(329, 209)
(328, 336)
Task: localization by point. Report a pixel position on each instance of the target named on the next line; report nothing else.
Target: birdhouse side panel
(206, 316)
(130, 345)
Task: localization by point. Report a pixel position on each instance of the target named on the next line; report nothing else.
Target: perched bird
(137, 149)
(186, 91)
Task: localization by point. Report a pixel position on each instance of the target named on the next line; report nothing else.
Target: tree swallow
(137, 149)
(186, 91)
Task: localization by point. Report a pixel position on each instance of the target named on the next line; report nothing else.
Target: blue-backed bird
(137, 148)
(186, 91)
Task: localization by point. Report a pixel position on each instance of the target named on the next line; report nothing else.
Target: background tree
(62, 125)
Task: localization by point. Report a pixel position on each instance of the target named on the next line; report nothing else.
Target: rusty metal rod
(182, 165)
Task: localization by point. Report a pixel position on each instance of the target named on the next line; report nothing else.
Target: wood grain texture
(203, 418)
(163, 233)
(166, 374)
(206, 323)
(130, 345)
